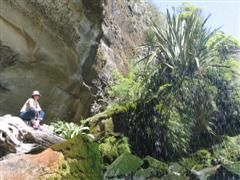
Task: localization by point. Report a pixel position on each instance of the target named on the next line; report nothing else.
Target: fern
(68, 130)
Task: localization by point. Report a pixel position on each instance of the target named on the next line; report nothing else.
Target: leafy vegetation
(173, 106)
(226, 47)
(82, 159)
(228, 151)
(112, 147)
(185, 88)
(173, 97)
(124, 88)
(68, 130)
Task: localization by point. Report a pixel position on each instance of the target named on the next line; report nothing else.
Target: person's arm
(31, 103)
(38, 107)
(24, 107)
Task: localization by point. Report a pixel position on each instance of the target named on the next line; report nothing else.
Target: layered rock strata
(59, 47)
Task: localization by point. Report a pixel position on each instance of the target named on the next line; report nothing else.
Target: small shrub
(124, 88)
(68, 130)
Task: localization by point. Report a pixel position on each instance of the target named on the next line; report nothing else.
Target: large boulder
(151, 168)
(17, 137)
(82, 159)
(39, 166)
(129, 166)
(123, 167)
(77, 158)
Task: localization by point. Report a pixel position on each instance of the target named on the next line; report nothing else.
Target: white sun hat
(36, 93)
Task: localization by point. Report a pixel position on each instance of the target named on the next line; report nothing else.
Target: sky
(223, 13)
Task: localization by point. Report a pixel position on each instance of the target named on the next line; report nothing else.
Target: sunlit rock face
(124, 28)
(44, 46)
(29, 166)
(59, 47)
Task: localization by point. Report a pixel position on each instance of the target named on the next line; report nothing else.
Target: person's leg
(36, 123)
(41, 115)
(28, 115)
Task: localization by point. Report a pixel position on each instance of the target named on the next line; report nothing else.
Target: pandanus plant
(182, 46)
(177, 96)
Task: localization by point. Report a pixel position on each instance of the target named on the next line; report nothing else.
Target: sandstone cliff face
(59, 46)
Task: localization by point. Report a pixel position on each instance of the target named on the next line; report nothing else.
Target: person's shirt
(31, 103)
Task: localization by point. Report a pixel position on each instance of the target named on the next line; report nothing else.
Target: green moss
(233, 168)
(202, 156)
(188, 163)
(111, 111)
(228, 171)
(63, 171)
(141, 174)
(108, 126)
(123, 146)
(175, 167)
(83, 159)
(152, 168)
(228, 151)
(112, 147)
(108, 149)
(123, 166)
(197, 161)
(156, 165)
(113, 121)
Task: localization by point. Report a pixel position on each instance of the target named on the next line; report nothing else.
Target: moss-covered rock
(229, 171)
(151, 168)
(112, 147)
(155, 167)
(197, 160)
(108, 149)
(82, 159)
(202, 156)
(112, 122)
(156, 164)
(228, 151)
(108, 113)
(176, 168)
(124, 166)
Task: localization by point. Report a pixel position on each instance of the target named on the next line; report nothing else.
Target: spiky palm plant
(177, 98)
(181, 48)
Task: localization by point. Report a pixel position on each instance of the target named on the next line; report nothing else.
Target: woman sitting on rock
(31, 110)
